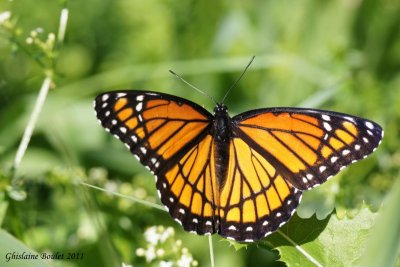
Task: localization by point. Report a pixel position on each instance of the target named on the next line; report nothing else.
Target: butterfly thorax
(222, 133)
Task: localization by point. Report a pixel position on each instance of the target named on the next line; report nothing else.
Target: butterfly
(243, 176)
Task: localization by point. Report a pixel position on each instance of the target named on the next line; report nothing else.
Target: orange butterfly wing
(170, 136)
(189, 189)
(155, 127)
(255, 199)
(275, 153)
(308, 146)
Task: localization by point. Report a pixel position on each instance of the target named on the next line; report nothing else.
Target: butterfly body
(240, 177)
(222, 133)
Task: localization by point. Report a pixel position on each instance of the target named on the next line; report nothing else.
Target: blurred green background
(341, 55)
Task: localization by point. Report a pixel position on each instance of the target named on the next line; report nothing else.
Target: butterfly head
(220, 109)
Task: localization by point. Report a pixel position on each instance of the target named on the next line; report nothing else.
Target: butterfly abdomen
(222, 132)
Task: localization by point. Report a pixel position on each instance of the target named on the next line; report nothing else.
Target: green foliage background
(337, 55)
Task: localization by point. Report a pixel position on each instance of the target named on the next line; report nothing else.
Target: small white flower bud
(6, 15)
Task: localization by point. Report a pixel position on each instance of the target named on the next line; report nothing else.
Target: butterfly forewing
(308, 146)
(154, 126)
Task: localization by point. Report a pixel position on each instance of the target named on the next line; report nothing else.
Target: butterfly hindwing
(308, 146)
(189, 189)
(255, 199)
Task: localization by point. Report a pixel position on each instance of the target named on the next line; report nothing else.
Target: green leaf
(3, 207)
(10, 245)
(319, 201)
(383, 246)
(236, 245)
(328, 242)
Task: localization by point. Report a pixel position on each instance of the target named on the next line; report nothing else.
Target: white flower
(140, 252)
(166, 234)
(150, 254)
(126, 265)
(111, 186)
(185, 260)
(151, 235)
(166, 263)
(39, 30)
(160, 252)
(6, 15)
(29, 40)
(51, 37)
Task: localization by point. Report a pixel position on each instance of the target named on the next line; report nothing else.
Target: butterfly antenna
(234, 85)
(194, 87)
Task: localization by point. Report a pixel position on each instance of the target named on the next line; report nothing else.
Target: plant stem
(41, 97)
(138, 200)
(210, 245)
(63, 25)
(31, 123)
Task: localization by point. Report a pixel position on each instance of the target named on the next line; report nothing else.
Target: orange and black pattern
(153, 127)
(308, 146)
(240, 177)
